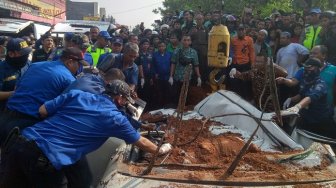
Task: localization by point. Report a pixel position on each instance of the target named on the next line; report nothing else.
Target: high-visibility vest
(97, 52)
(311, 36)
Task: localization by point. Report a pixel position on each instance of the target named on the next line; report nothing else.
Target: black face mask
(309, 76)
(17, 62)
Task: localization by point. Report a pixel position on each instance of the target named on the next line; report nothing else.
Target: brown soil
(208, 157)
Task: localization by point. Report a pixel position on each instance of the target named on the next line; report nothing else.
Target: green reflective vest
(97, 52)
(311, 34)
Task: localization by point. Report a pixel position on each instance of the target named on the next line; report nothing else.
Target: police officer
(71, 131)
(311, 33)
(42, 81)
(100, 47)
(15, 65)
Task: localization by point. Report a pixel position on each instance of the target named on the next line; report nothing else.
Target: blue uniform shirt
(57, 53)
(145, 60)
(79, 123)
(8, 78)
(43, 81)
(116, 61)
(161, 64)
(318, 109)
(95, 84)
(131, 73)
(328, 74)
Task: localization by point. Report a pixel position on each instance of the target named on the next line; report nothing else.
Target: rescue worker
(15, 65)
(124, 62)
(327, 73)
(47, 47)
(100, 47)
(311, 102)
(311, 33)
(70, 131)
(42, 81)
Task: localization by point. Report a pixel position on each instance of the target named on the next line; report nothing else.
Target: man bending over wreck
(77, 123)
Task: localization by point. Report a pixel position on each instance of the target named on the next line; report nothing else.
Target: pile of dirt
(197, 147)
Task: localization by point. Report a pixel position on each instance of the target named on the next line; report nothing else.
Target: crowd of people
(60, 102)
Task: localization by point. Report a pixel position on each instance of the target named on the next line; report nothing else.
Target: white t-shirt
(287, 57)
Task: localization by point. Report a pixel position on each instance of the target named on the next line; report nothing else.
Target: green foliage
(236, 6)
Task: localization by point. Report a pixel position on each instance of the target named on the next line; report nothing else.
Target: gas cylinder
(218, 46)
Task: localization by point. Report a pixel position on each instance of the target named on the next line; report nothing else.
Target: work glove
(199, 82)
(171, 81)
(287, 103)
(133, 110)
(165, 148)
(294, 109)
(142, 82)
(233, 72)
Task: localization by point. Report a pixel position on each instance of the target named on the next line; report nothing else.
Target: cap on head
(164, 26)
(68, 36)
(264, 31)
(118, 87)
(312, 62)
(105, 35)
(18, 44)
(117, 40)
(315, 10)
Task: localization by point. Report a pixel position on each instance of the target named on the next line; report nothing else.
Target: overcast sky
(130, 12)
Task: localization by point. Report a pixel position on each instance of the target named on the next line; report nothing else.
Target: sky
(130, 12)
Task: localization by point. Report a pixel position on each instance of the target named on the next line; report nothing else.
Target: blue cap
(68, 36)
(18, 44)
(315, 10)
(118, 40)
(105, 34)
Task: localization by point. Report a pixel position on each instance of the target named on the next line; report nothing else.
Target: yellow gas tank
(218, 46)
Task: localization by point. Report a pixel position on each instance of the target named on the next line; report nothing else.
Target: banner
(47, 8)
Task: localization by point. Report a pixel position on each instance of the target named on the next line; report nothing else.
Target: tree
(236, 6)
(136, 30)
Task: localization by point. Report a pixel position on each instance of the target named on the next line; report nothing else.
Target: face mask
(311, 75)
(17, 62)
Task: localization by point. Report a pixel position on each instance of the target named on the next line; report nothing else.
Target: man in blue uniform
(43, 81)
(72, 129)
(124, 62)
(311, 102)
(15, 65)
